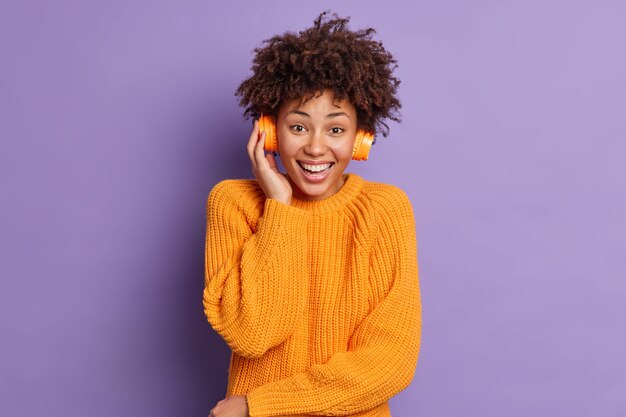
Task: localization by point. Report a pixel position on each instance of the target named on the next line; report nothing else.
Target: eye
(297, 128)
(336, 130)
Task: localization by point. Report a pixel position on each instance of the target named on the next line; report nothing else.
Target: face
(315, 142)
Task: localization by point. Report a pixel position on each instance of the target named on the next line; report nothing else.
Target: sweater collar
(349, 190)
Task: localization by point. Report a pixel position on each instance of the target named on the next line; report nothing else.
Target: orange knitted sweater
(319, 301)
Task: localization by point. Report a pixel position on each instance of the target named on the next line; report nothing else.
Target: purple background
(117, 118)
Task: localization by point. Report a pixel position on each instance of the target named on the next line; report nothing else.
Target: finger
(272, 161)
(254, 135)
(252, 142)
(259, 153)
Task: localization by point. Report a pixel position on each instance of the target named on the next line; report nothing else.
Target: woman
(311, 275)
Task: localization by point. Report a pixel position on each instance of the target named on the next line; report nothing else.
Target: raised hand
(274, 183)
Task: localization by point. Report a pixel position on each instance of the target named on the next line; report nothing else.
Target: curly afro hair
(324, 56)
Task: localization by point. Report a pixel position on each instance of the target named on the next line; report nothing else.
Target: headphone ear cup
(268, 125)
(362, 145)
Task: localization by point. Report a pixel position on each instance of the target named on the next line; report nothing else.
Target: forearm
(255, 294)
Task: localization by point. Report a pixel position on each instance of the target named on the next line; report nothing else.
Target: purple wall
(117, 118)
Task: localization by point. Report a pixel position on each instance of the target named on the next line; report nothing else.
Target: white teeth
(315, 168)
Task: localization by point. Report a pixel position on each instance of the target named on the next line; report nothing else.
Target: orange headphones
(361, 149)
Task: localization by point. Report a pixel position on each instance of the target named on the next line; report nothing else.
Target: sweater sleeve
(383, 350)
(255, 283)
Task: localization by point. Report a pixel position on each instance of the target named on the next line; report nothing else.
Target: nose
(316, 144)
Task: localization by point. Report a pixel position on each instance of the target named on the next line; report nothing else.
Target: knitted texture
(319, 301)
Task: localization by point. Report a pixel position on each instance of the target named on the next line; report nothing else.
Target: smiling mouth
(315, 169)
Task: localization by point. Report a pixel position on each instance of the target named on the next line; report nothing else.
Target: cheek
(343, 150)
(286, 144)
(287, 147)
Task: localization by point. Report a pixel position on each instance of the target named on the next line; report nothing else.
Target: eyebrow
(328, 116)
